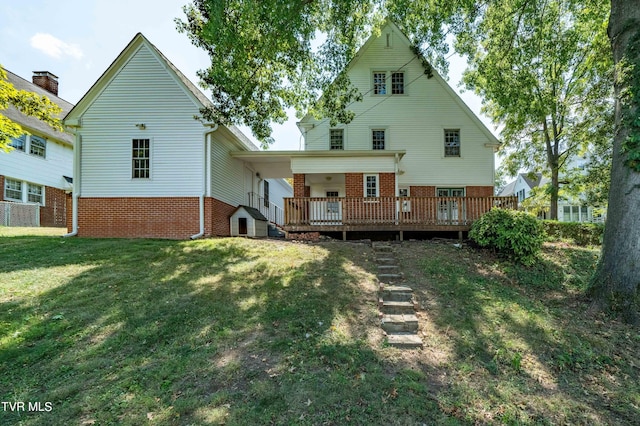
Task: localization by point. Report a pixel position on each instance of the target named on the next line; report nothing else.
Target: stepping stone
(392, 307)
(399, 323)
(404, 340)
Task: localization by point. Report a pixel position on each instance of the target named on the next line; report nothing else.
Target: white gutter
(205, 148)
(76, 187)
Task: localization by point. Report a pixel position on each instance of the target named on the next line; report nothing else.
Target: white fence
(19, 214)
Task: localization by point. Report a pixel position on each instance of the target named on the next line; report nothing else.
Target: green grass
(244, 332)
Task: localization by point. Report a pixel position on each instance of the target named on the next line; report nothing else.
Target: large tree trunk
(615, 284)
(555, 186)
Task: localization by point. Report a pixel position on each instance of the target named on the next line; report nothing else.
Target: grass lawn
(251, 332)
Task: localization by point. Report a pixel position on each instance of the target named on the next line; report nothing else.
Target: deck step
(404, 340)
(399, 323)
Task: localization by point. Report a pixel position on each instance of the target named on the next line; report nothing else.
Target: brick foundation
(158, 217)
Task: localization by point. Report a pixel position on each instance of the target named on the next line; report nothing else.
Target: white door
(327, 211)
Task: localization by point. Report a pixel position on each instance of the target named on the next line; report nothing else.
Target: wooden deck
(346, 214)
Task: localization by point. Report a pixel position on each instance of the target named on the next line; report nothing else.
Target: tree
(544, 71)
(28, 103)
(263, 59)
(615, 283)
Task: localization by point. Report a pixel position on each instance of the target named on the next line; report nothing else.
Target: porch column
(299, 188)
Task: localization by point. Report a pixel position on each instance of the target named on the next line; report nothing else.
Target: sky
(77, 40)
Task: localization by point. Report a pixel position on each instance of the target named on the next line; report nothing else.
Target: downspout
(76, 187)
(205, 148)
(398, 206)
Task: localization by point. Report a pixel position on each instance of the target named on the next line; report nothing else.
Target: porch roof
(279, 164)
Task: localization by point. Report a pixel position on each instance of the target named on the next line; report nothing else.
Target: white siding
(414, 122)
(278, 190)
(227, 174)
(142, 92)
(343, 165)
(47, 171)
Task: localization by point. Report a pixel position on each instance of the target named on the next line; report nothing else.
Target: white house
(144, 167)
(39, 169)
(415, 157)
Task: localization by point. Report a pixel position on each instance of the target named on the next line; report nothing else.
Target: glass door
(448, 209)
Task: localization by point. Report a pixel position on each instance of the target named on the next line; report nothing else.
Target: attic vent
(389, 41)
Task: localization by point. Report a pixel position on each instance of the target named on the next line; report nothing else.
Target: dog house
(248, 222)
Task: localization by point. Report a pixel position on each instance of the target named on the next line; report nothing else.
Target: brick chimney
(46, 80)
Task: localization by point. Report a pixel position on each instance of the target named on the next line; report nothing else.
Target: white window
(371, 186)
(377, 139)
(452, 143)
(379, 83)
(19, 143)
(397, 83)
(34, 193)
(336, 139)
(38, 146)
(141, 158)
(12, 190)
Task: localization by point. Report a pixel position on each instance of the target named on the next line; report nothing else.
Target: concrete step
(404, 340)
(382, 248)
(390, 269)
(390, 277)
(399, 323)
(386, 260)
(396, 293)
(392, 307)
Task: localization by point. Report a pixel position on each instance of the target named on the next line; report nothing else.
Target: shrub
(582, 234)
(516, 234)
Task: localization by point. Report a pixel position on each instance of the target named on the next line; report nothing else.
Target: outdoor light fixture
(141, 126)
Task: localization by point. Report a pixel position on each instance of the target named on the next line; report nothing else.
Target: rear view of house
(145, 167)
(37, 173)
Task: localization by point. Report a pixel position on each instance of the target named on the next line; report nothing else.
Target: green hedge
(582, 234)
(516, 234)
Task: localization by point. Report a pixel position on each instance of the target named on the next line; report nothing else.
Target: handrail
(390, 210)
(273, 212)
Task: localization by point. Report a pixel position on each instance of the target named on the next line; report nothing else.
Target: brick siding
(479, 191)
(422, 191)
(159, 217)
(354, 184)
(54, 212)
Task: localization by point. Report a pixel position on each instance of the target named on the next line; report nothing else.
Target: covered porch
(396, 214)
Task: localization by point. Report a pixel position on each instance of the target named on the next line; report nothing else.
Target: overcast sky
(78, 39)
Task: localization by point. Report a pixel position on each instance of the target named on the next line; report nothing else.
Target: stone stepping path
(396, 302)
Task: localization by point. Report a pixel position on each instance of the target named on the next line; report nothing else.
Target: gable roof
(33, 124)
(253, 212)
(407, 43)
(200, 100)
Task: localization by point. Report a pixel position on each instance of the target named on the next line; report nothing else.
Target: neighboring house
(39, 168)
(144, 167)
(570, 209)
(414, 158)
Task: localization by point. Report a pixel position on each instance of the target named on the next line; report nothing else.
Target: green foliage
(271, 55)
(544, 70)
(582, 234)
(28, 103)
(513, 233)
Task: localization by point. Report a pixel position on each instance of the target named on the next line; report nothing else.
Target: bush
(582, 234)
(516, 234)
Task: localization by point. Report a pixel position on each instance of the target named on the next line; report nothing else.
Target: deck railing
(272, 212)
(431, 211)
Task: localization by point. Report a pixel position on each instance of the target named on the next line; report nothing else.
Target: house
(570, 208)
(414, 158)
(523, 185)
(39, 169)
(144, 167)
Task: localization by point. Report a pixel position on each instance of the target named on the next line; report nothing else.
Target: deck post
(460, 236)
(344, 235)
(401, 236)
